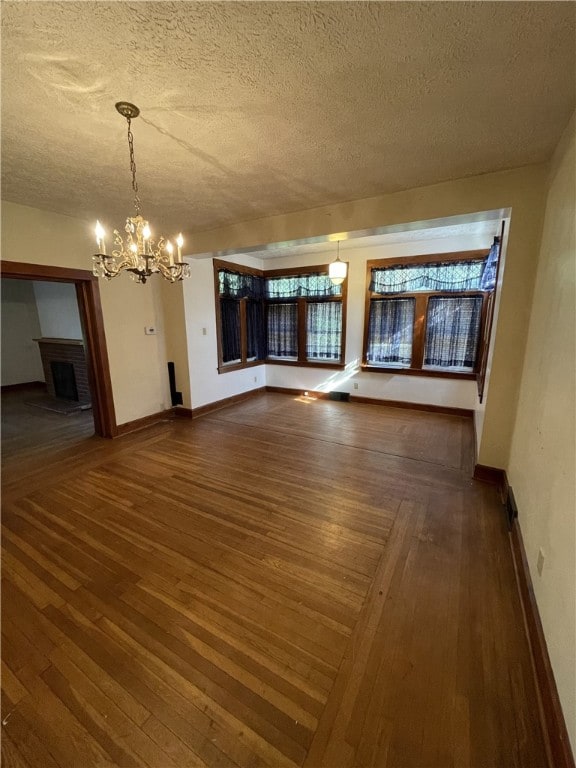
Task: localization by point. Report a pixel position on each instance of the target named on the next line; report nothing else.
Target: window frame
(300, 301)
(244, 362)
(420, 314)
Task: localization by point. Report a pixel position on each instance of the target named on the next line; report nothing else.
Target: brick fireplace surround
(65, 351)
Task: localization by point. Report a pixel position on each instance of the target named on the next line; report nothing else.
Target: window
(426, 314)
(294, 316)
(239, 316)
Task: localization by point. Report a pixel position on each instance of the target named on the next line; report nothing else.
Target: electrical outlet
(540, 561)
(150, 330)
(355, 385)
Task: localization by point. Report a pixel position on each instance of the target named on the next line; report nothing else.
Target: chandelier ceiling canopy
(137, 252)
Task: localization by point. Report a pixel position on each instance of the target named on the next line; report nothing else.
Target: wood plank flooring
(285, 582)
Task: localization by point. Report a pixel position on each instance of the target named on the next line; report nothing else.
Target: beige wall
(522, 190)
(139, 382)
(542, 463)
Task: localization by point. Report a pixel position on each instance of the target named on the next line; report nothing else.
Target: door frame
(90, 308)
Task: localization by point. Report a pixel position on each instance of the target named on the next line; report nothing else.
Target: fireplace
(65, 369)
(64, 380)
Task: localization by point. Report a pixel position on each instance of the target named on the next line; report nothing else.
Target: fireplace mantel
(50, 340)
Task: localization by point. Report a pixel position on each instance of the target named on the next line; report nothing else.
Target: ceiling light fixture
(137, 252)
(338, 270)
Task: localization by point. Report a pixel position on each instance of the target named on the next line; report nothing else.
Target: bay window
(426, 314)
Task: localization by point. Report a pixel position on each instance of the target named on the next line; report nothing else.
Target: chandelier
(137, 252)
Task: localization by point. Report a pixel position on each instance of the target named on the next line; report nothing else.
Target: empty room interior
(288, 384)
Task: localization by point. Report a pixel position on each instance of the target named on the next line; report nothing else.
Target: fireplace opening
(64, 380)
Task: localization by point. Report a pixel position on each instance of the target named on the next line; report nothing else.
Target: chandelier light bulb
(180, 240)
(134, 248)
(146, 234)
(170, 249)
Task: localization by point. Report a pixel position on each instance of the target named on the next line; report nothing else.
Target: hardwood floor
(280, 583)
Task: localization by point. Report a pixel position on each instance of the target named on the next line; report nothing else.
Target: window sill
(430, 373)
(305, 364)
(239, 366)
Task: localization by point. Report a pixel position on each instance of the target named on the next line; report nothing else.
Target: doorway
(91, 320)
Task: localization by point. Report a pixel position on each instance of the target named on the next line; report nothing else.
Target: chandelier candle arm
(137, 252)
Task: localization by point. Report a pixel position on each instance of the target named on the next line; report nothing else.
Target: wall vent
(345, 396)
(511, 508)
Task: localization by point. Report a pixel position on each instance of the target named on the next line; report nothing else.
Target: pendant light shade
(338, 270)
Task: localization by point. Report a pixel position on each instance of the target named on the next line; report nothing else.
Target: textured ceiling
(253, 109)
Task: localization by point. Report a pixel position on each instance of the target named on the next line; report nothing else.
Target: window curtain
(446, 276)
(323, 330)
(282, 327)
(240, 285)
(452, 332)
(488, 279)
(390, 329)
(230, 322)
(255, 330)
(295, 286)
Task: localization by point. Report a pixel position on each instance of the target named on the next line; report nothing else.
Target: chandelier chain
(133, 167)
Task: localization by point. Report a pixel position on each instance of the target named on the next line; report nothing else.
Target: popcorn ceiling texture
(254, 109)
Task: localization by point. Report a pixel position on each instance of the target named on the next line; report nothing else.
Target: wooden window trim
(420, 313)
(301, 301)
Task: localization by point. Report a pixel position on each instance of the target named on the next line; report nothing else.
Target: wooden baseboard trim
(493, 476)
(23, 385)
(467, 413)
(182, 413)
(145, 421)
(552, 717)
(428, 407)
(202, 410)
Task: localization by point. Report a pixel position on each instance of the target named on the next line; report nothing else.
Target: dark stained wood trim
(429, 407)
(465, 412)
(182, 413)
(305, 364)
(23, 385)
(240, 366)
(219, 264)
(202, 410)
(145, 421)
(24, 271)
(421, 313)
(88, 295)
(553, 722)
(419, 372)
(301, 304)
(488, 309)
(491, 475)
(90, 309)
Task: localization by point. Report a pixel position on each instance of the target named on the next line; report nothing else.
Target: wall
(521, 189)
(58, 310)
(384, 386)
(139, 383)
(543, 454)
(207, 385)
(21, 361)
